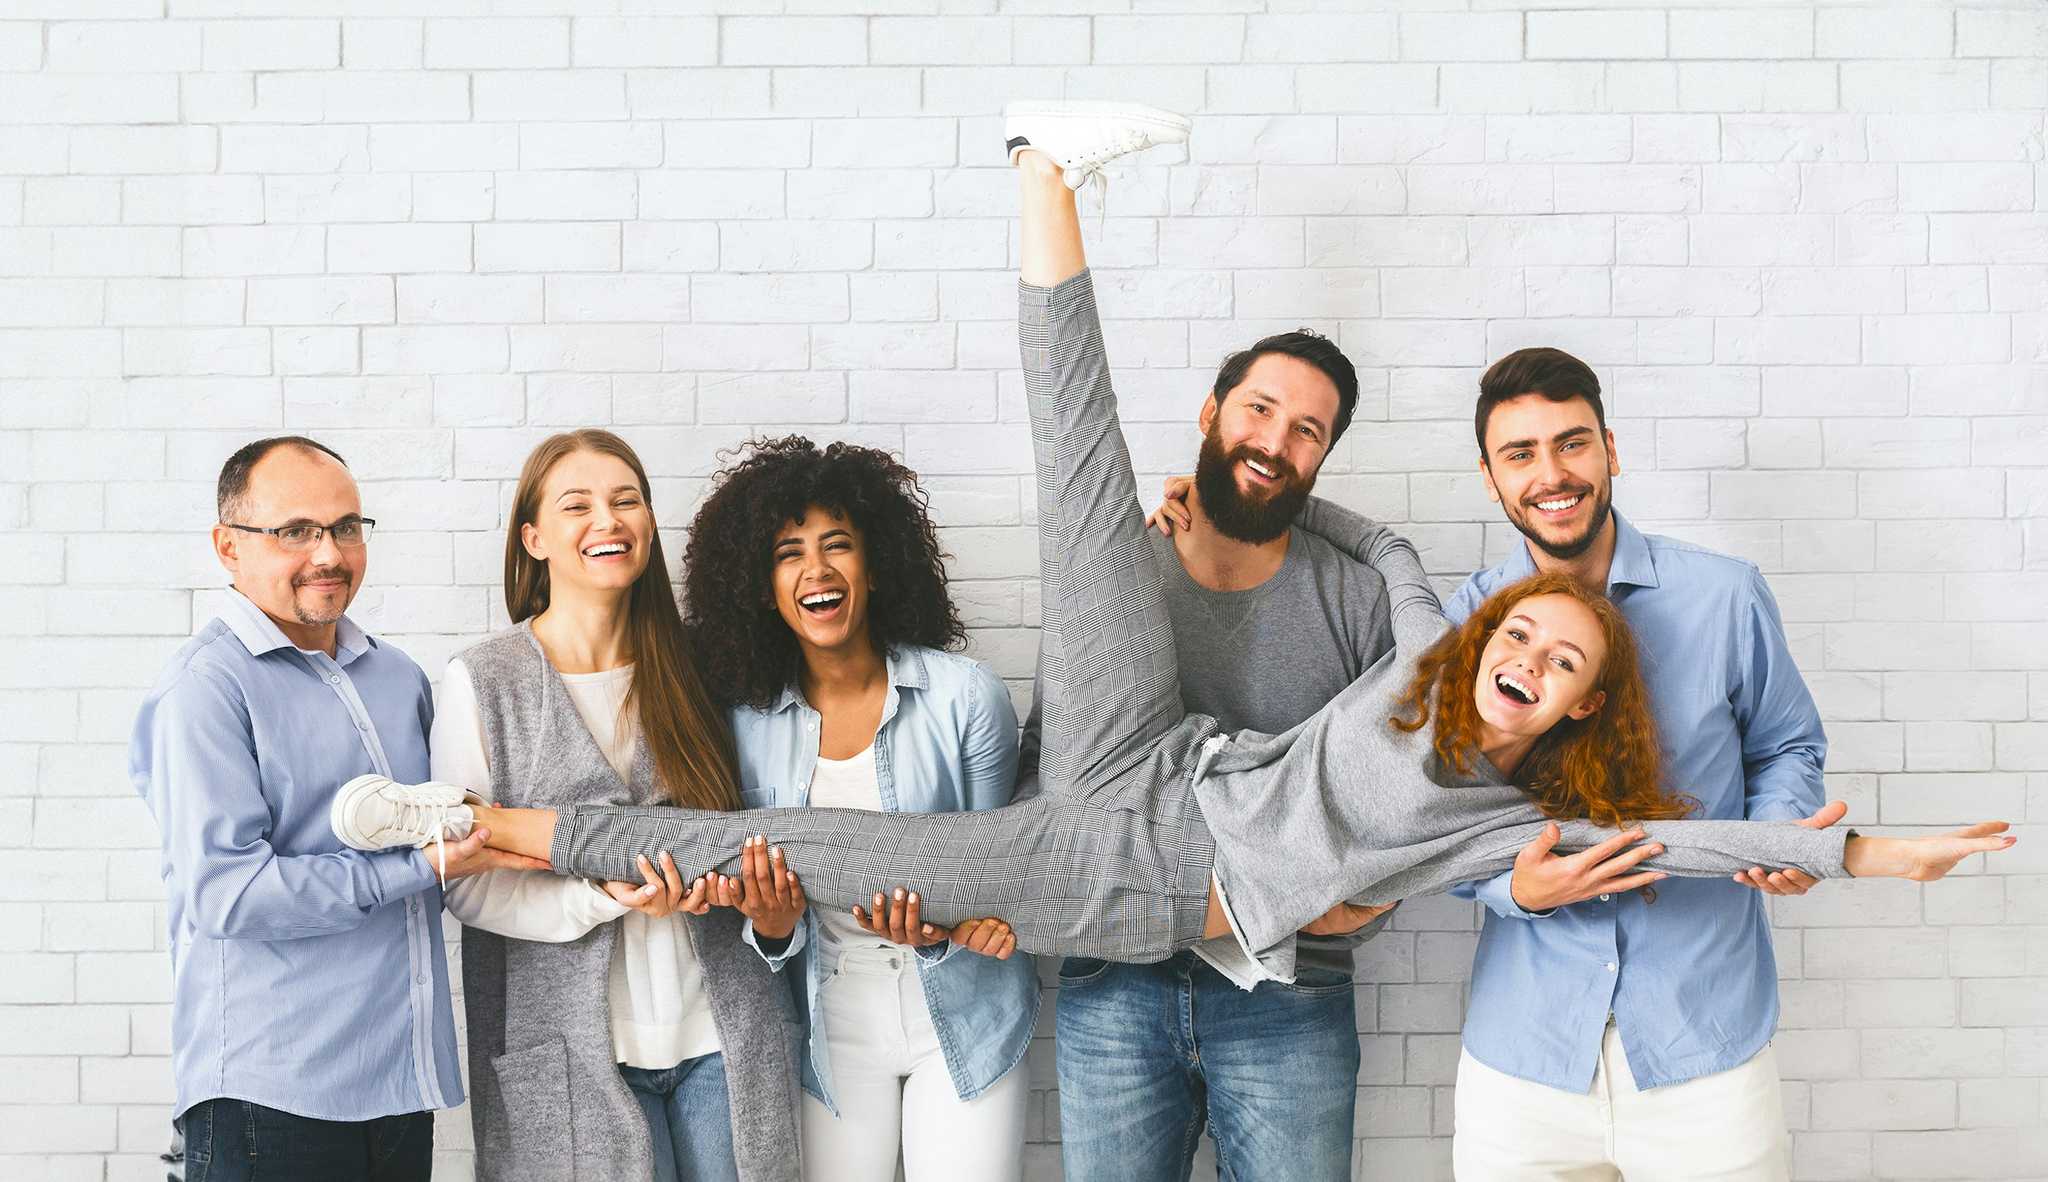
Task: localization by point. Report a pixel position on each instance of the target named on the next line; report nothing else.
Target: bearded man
(1271, 621)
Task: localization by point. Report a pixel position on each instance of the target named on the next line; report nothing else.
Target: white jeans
(1729, 1126)
(890, 1082)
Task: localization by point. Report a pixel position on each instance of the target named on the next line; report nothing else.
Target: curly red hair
(1605, 767)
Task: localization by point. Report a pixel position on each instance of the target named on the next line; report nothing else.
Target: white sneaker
(1082, 137)
(374, 812)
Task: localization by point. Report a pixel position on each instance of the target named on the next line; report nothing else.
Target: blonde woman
(616, 1030)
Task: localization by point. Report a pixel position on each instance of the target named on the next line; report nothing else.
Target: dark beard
(1236, 516)
(1603, 507)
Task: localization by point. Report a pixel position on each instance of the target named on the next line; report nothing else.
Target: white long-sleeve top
(660, 1012)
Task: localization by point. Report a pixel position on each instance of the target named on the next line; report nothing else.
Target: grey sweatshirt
(1368, 813)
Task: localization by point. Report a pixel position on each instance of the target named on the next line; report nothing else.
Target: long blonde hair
(685, 734)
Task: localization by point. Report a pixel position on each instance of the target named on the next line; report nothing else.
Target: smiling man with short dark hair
(1608, 1035)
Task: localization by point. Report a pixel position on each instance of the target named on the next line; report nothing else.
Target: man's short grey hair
(233, 488)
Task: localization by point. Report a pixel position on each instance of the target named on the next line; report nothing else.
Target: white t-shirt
(660, 1013)
(846, 784)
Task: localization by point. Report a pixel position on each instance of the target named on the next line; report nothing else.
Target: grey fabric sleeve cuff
(564, 840)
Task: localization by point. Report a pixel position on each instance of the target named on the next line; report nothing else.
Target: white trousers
(1727, 1127)
(889, 1079)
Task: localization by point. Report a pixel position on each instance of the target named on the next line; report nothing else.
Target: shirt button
(1610, 966)
(334, 679)
(1607, 898)
(422, 978)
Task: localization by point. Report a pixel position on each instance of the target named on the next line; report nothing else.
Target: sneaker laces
(1099, 182)
(416, 816)
(1089, 166)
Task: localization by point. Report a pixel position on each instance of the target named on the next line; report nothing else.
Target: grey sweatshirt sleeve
(1692, 849)
(1418, 617)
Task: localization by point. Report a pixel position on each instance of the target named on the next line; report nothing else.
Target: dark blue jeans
(236, 1141)
(689, 1115)
(1147, 1053)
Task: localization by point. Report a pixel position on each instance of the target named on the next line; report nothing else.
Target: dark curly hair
(745, 651)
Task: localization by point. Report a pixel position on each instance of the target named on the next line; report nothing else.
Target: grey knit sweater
(547, 1100)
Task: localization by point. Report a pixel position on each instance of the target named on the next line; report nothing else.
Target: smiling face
(592, 525)
(1262, 443)
(1541, 666)
(1549, 465)
(306, 592)
(820, 580)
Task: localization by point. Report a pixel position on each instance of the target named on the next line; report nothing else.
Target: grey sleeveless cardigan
(547, 1102)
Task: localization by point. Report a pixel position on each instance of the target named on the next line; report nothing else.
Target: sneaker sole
(1134, 112)
(343, 809)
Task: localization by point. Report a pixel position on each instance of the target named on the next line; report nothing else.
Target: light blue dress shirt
(306, 977)
(947, 743)
(1689, 979)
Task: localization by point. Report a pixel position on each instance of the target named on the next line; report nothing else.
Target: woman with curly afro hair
(817, 608)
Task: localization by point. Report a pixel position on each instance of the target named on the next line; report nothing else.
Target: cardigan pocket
(534, 1084)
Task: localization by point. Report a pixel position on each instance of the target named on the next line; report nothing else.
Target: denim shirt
(947, 743)
(1689, 980)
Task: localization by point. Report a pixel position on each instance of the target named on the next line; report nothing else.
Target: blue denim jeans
(236, 1141)
(1148, 1053)
(689, 1115)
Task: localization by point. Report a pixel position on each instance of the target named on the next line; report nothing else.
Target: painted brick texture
(1805, 246)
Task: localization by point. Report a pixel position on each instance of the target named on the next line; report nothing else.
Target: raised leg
(1108, 680)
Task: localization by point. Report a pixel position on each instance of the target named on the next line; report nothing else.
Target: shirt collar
(906, 671)
(1632, 565)
(260, 634)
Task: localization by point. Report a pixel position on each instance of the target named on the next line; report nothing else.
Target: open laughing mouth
(607, 551)
(1515, 690)
(821, 604)
(1264, 473)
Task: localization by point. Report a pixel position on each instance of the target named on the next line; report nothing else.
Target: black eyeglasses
(349, 533)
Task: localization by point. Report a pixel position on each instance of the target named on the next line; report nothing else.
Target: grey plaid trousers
(1110, 858)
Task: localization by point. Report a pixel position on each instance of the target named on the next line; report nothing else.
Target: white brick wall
(1806, 246)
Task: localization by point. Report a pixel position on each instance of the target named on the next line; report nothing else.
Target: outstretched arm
(1270, 907)
(1418, 618)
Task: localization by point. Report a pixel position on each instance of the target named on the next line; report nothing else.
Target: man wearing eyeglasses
(311, 1030)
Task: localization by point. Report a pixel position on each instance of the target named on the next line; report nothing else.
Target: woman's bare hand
(894, 917)
(663, 894)
(766, 891)
(1923, 859)
(1173, 513)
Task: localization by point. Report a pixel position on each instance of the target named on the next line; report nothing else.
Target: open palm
(1933, 857)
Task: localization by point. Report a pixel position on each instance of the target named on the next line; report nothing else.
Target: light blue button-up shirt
(306, 977)
(947, 743)
(1689, 979)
